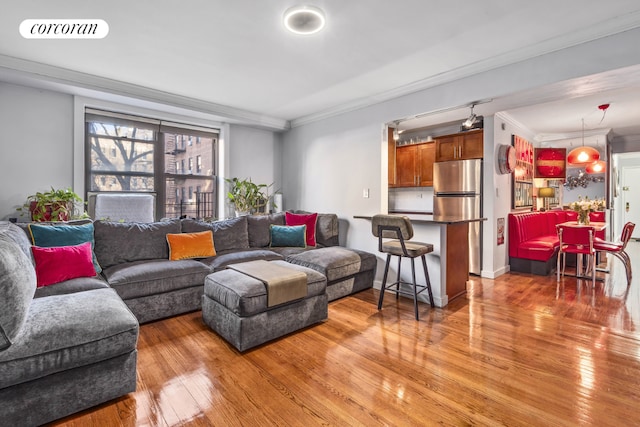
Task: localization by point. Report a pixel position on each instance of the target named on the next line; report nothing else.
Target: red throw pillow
(59, 263)
(302, 219)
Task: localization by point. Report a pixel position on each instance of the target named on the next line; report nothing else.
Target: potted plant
(52, 205)
(247, 196)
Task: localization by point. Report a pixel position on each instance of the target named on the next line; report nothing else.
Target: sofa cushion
(60, 263)
(67, 331)
(150, 277)
(335, 262)
(122, 242)
(327, 229)
(191, 245)
(228, 234)
(49, 235)
(221, 260)
(17, 287)
(539, 248)
(258, 226)
(19, 234)
(70, 286)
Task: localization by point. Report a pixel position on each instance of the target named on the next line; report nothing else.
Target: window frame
(161, 176)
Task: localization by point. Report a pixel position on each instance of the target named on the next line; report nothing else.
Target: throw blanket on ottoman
(283, 284)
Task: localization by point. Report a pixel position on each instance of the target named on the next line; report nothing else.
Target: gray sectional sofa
(75, 342)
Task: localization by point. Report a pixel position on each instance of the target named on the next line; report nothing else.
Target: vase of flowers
(584, 206)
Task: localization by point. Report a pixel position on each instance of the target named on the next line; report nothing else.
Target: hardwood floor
(520, 350)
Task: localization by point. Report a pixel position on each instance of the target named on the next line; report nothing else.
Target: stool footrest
(401, 292)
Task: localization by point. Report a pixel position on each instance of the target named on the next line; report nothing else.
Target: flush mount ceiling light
(304, 19)
(583, 155)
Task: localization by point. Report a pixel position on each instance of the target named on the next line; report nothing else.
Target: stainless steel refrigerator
(457, 192)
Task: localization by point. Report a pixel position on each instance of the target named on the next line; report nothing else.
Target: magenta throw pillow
(304, 219)
(59, 263)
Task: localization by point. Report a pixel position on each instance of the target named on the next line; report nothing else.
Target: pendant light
(581, 156)
(598, 166)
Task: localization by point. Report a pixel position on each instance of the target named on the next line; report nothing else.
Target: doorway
(626, 191)
(630, 195)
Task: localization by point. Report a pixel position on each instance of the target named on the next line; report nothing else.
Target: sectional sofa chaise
(72, 345)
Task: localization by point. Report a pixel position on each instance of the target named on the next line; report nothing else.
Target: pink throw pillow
(302, 219)
(59, 263)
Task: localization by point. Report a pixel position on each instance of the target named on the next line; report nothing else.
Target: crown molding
(607, 28)
(549, 137)
(77, 83)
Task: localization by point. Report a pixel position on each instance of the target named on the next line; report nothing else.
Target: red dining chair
(598, 216)
(617, 249)
(576, 240)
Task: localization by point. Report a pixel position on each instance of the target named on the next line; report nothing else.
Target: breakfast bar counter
(448, 264)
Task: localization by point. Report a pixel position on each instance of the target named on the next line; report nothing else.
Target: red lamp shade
(598, 166)
(583, 155)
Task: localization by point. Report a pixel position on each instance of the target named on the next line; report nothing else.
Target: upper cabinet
(460, 146)
(391, 151)
(414, 165)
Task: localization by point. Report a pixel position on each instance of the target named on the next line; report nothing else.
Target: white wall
(36, 144)
(256, 154)
(327, 164)
(39, 149)
(497, 194)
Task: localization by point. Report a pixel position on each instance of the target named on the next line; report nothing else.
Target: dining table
(598, 227)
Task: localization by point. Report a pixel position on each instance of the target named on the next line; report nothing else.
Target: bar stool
(400, 230)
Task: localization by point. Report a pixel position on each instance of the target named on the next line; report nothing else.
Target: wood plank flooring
(520, 350)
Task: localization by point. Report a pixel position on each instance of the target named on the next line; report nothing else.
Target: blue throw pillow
(291, 236)
(47, 236)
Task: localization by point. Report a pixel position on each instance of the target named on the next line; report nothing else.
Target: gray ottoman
(235, 306)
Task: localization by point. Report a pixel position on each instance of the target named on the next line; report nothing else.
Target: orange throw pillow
(191, 245)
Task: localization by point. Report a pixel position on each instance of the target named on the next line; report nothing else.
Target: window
(148, 155)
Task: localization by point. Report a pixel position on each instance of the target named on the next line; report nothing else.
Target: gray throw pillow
(259, 228)
(228, 234)
(17, 287)
(120, 242)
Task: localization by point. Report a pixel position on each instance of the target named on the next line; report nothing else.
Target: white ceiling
(237, 54)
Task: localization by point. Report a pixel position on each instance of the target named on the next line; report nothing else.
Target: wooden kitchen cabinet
(414, 165)
(406, 160)
(426, 157)
(391, 152)
(460, 146)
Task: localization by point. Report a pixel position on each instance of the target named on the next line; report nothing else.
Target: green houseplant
(52, 205)
(247, 196)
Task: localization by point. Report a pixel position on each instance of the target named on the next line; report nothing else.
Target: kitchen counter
(429, 218)
(448, 264)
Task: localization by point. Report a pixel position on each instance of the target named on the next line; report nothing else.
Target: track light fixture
(471, 120)
(396, 133)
